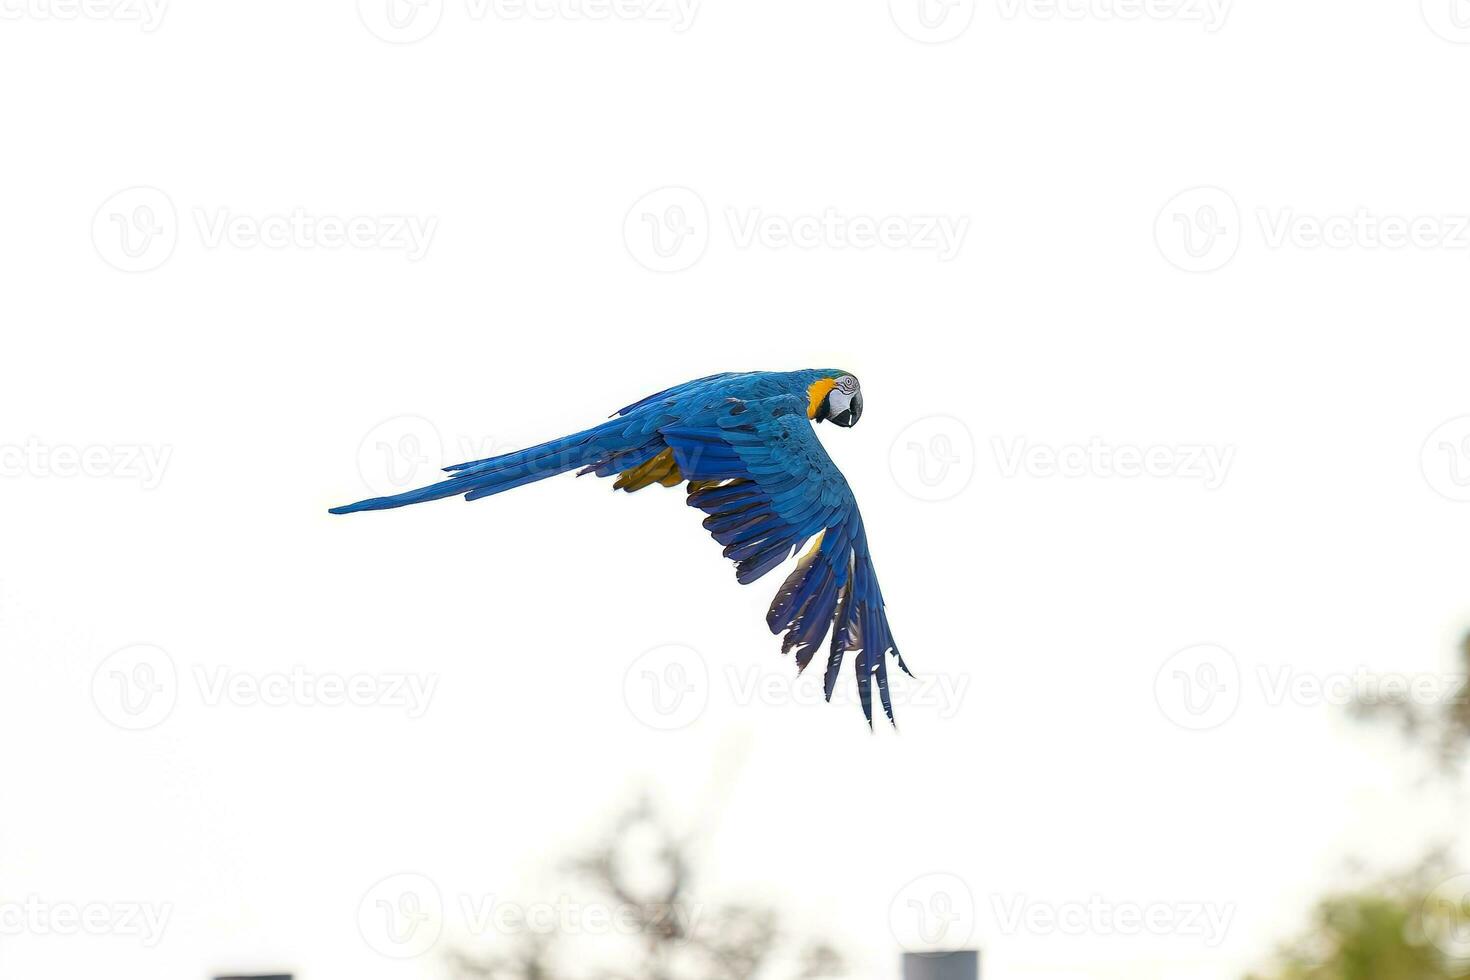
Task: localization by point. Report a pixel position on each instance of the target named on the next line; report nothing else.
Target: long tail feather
(500, 473)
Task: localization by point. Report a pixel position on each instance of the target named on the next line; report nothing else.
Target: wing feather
(778, 488)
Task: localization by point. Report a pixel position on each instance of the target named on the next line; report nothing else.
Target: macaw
(752, 461)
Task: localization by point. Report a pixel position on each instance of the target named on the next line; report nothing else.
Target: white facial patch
(844, 389)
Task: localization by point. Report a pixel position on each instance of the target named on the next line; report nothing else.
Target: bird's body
(745, 444)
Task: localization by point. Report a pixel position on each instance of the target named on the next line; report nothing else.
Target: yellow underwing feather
(661, 469)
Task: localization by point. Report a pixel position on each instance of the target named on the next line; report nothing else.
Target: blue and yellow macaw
(754, 465)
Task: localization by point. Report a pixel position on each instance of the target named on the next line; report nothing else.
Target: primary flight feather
(745, 445)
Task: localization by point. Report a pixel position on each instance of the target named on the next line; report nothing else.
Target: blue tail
(489, 476)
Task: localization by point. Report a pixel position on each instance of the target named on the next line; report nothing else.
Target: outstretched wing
(758, 470)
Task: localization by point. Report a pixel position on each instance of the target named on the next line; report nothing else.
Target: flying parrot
(754, 465)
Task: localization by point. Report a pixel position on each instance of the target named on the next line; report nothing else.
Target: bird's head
(837, 399)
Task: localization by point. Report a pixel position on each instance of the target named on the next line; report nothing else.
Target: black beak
(848, 417)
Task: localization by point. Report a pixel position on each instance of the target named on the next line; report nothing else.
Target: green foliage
(1400, 929)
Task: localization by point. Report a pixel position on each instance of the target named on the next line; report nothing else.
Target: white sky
(1050, 604)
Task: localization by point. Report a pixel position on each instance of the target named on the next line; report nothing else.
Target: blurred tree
(1414, 926)
(1442, 728)
(642, 870)
(1403, 928)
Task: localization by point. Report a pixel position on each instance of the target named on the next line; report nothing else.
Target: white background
(271, 376)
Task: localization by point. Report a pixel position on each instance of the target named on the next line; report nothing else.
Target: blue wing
(758, 470)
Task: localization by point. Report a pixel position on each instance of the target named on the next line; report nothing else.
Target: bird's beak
(848, 417)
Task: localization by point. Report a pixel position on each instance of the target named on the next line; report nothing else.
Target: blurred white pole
(959, 965)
